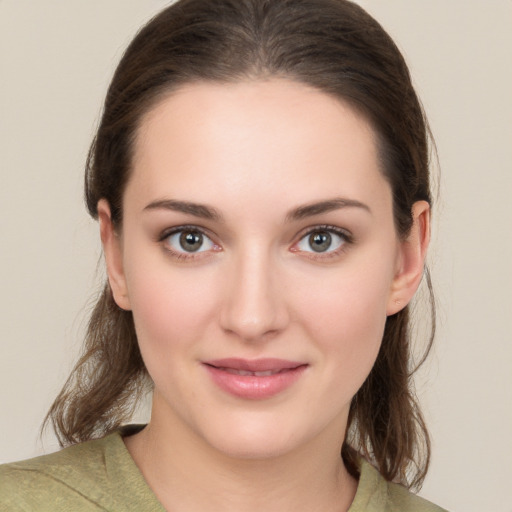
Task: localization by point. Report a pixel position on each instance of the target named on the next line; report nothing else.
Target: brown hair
(333, 45)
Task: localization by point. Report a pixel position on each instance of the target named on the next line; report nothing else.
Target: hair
(333, 46)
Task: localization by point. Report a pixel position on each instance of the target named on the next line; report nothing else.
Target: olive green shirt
(101, 475)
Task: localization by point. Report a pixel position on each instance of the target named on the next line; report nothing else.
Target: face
(259, 256)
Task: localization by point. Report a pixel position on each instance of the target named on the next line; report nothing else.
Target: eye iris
(320, 242)
(191, 241)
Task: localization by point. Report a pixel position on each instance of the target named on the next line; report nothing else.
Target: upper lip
(254, 365)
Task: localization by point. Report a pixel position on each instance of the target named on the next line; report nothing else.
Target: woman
(260, 177)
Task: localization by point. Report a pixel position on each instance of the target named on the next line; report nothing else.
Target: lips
(254, 379)
(264, 373)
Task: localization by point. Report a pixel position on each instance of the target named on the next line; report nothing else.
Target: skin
(256, 152)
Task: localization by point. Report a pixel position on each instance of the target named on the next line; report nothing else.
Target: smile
(265, 373)
(254, 379)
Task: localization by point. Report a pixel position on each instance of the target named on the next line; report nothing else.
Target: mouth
(254, 379)
(264, 373)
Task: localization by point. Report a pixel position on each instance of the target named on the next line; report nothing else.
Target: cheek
(170, 307)
(345, 315)
(347, 301)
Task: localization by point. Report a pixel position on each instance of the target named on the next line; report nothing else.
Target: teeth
(244, 373)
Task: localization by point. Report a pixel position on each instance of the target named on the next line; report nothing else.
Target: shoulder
(402, 499)
(60, 463)
(27, 485)
(91, 476)
(375, 494)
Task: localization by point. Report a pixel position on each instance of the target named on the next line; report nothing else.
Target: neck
(187, 474)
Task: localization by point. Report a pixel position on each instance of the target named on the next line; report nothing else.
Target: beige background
(56, 57)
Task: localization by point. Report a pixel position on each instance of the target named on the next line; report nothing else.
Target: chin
(257, 438)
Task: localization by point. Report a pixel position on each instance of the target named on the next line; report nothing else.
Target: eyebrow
(207, 212)
(329, 205)
(197, 210)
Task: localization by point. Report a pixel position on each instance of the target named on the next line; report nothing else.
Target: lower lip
(252, 387)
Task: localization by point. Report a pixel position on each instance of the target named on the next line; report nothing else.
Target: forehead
(254, 139)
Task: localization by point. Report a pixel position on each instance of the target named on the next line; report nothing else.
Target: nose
(254, 306)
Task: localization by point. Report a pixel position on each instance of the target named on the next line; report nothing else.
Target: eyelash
(347, 240)
(186, 255)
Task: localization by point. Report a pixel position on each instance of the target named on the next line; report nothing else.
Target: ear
(112, 249)
(411, 259)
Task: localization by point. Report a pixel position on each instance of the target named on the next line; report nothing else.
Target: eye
(188, 240)
(323, 240)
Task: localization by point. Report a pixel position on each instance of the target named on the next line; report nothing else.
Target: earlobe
(113, 256)
(411, 261)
